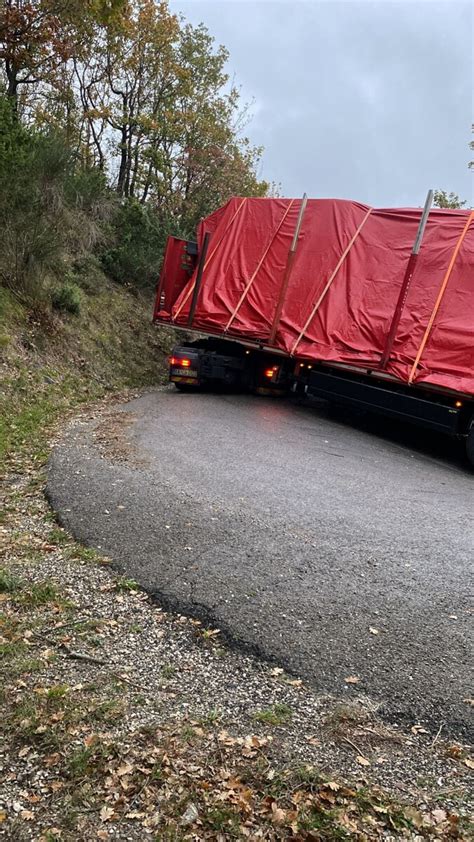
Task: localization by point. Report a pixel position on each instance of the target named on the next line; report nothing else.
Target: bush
(138, 239)
(88, 274)
(50, 207)
(67, 298)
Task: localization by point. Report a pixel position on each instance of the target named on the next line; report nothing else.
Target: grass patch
(278, 714)
(323, 823)
(126, 584)
(86, 554)
(41, 593)
(89, 760)
(8, 582)
(58, 536)
(224, 820)
(107, 712)
(12, 650)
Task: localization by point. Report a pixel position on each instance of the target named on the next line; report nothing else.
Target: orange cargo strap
(330, 280)
(259, 266)
(189, 292)
(440, 297)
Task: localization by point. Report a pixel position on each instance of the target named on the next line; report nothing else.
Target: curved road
(314, 542)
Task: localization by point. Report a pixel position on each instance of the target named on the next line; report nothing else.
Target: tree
(39, 37)
(34, 41)
(141, 101)
(442, 199)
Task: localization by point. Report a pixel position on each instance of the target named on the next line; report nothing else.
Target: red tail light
(181, 362)
(269, 372)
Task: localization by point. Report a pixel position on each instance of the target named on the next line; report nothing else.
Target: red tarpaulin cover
(340, 301)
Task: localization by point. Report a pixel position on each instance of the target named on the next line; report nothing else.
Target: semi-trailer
(364, 307)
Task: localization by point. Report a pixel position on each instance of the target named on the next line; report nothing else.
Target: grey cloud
(363, 100)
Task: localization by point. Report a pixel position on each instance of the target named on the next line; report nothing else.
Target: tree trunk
(12, 88)
(123, 161)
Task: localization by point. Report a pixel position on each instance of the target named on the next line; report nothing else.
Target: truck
(364, 307)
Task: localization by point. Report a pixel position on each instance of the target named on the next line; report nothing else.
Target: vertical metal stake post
(197, 283)
(288, 268)
(402, 297)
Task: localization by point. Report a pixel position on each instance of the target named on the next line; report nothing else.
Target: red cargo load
(349, 266)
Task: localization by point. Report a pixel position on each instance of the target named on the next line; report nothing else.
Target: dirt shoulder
(122, 721)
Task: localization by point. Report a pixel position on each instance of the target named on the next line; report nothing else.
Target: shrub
(50, 208)
(67, 298)
(87, 272)
(134, 256)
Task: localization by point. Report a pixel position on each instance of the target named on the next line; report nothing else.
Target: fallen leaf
(278, 815)
(124, 769)
(106, 813)
(3, 816)
(372, 630)
(439, 816)
(27, 815)
(469, 763)
(352, 679)
(56, 786)
(362, 761)
(190, 814)
(414, 815)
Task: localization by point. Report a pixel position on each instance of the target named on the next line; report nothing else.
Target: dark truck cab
(224, 364)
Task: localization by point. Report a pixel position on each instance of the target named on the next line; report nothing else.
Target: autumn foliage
(141, 102)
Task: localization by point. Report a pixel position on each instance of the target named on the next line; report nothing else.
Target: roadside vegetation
(118, 124)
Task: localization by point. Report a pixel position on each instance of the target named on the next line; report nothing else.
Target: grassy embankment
(51, 363)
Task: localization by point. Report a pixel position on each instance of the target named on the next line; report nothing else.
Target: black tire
(470, 443)
(187, 387)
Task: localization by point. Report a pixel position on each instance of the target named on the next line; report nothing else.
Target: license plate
(184, 372)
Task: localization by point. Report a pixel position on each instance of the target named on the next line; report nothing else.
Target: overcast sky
(362, 100)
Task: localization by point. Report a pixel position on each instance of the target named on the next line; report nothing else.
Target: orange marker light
(458, 404)
(269, 372)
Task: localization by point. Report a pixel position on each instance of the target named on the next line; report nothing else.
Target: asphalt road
(312, 539)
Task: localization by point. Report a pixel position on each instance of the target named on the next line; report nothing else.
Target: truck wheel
(187, 387)
(470, 443)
